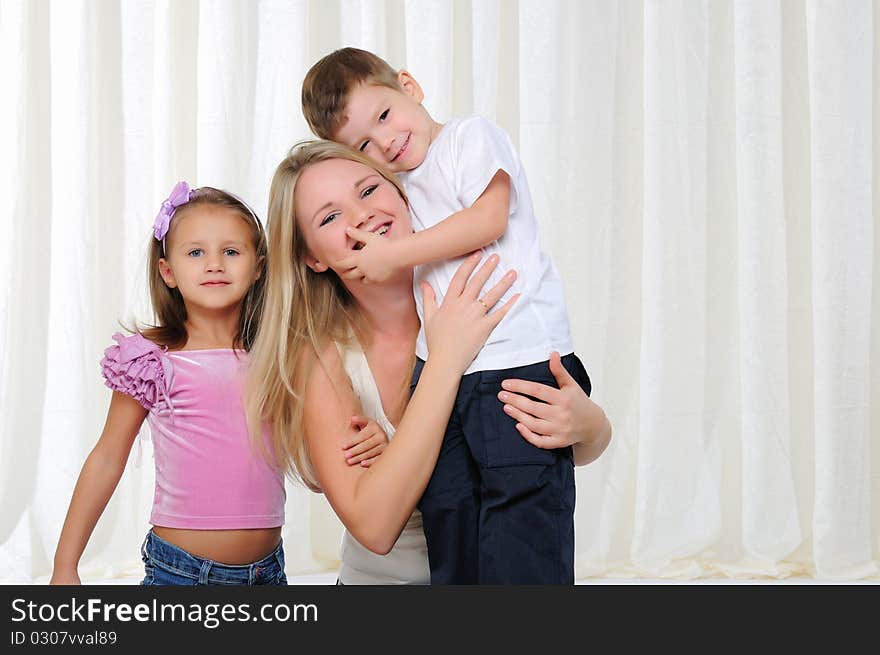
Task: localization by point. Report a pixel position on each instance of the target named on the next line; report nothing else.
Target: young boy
(497, 510)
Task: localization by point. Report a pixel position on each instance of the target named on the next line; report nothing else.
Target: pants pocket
(503, 444)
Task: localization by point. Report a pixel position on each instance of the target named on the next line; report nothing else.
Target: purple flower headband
(180, 195)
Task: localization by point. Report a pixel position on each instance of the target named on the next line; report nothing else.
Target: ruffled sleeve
(135, 366)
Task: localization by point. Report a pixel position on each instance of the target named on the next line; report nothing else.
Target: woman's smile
(338, 193)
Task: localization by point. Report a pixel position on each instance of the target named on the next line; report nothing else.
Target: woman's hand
(365, 446)
(567, 417)
(457, 329)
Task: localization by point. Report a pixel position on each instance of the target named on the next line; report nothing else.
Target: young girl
(219, 502)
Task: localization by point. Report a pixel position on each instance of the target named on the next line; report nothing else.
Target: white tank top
(407, 563)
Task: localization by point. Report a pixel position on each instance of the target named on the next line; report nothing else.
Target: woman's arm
(97, 481)
(567, 417)
(375, 503)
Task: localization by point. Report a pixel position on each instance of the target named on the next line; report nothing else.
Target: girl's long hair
(303, 313)
(169, 312)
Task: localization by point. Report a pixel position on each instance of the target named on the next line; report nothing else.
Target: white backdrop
(704, 173)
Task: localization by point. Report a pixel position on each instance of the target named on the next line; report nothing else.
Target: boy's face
(389, 126)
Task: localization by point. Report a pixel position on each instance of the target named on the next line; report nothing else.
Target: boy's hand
(364, 447)
(375, 262)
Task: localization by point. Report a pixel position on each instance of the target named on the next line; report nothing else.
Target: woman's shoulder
(323, 370)
(136, 366)
(328, 360)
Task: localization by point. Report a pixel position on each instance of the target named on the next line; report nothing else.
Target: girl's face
(334, 194)
(210, 257)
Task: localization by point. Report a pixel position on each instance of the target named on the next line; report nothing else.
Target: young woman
(335, 350)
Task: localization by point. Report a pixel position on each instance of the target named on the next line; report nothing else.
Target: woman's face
(334, 194)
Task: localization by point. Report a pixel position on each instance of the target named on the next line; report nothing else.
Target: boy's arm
(460, 233)
(97, 481)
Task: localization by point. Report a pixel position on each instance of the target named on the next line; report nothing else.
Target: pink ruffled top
(207, 474)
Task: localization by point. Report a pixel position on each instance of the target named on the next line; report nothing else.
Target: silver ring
(485, 306)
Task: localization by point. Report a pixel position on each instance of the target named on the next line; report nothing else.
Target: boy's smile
(389, 126)
(404, 148)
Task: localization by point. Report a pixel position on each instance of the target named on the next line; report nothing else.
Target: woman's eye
(196, 252)
(329, 218)
(384, 115)
(364, 146)
(369, 190)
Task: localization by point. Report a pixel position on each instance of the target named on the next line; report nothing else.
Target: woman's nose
(363, 217)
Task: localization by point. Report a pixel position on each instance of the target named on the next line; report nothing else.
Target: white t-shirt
(458, 167)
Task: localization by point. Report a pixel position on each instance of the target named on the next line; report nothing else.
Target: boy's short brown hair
(328, 83)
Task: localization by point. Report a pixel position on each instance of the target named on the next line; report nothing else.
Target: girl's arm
(98, 479)
(566, 417)
(375, 503)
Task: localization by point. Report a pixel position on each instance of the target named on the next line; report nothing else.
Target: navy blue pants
(497, 509)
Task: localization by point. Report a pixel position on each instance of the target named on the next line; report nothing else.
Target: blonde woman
(331, 349)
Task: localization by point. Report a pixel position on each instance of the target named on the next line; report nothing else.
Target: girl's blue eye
(369, 190)
(384, 115)
(329, 218)
(195, 252)
(230, 252)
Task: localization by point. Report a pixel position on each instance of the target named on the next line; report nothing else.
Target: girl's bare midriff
(234, 547)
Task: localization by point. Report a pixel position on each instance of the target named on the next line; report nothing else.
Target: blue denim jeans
(166, 564)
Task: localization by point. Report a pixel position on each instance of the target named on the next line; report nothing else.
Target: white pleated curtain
(703, 172)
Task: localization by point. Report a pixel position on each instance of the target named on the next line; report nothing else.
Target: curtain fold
(703, 173)
(842, 250)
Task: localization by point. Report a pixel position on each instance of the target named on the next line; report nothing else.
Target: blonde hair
(303, 313)
(329, 82)
(169, 312)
